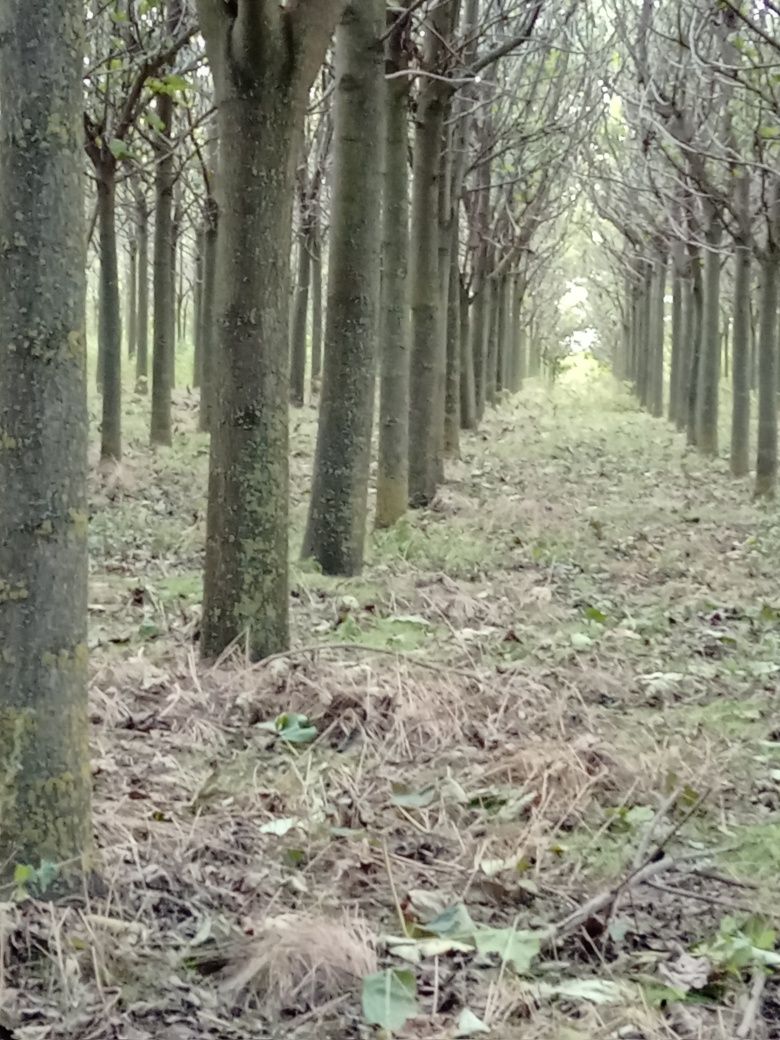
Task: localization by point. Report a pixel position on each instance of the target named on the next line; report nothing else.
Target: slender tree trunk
(696, 325)
(766, 458)
(44, 728)
(502, 333)
(110, 319)
(197, 366)
(392, 491)
(425, 295)
(493, 330)
(740, 406)
(677, 335)
(300, 320)
(336, 528)
(142, 352)
(164, 279)
(208, 330)
(454, 335)
(315, 252)
(468, 402)
(684, 350)
(658, 330)
(132, 298)
(709, 369)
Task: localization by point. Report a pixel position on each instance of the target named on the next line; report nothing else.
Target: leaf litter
(537, 800)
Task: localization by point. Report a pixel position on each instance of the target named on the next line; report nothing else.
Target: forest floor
(535, 792)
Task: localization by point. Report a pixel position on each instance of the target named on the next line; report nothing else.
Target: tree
(263, 58)
(335, 533)
(44, 765)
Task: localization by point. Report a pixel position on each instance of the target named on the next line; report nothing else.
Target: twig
(701, 897)
(647, 837)
(394, 890)
(753, 1006)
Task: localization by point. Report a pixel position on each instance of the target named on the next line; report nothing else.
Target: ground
(537, 779)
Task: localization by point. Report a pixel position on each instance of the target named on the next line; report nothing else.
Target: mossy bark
(110, 362)
(392, 490)
(740, 369)
(709, 368)
(336, 528)
(163, 344)
(264, 59)
(142, 351)
(44, 729)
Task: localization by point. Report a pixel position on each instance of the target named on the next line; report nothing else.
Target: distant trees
(44, 765)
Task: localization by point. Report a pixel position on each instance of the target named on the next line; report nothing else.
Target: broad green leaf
(453, 923)
(519, 948)
(390, 998)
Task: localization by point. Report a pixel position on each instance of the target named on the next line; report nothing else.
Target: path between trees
(539, 745)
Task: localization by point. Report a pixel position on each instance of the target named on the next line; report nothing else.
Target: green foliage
(32, 881)
(292, 728)
(390, 998)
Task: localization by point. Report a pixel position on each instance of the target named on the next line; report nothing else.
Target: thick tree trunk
(392, 490)
(336, 528)
(766, 458)
(44, 728)
(110, 318)
(164, 346)
(709, 369)
(142, 352)
(300, 320)
(740, 406)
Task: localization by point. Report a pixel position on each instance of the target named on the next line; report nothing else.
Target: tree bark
(163, 345)
(696, 324)
(208, 315)
(740, 369)
(132, 298)
(315, 252)
(709, 369)
(110, 318)
(264, 59)
(468, 401)
(44, 729)
(299, 334)
(336, 529)
(766, 458)
(454, 335)
(392, 490)
(142, 352)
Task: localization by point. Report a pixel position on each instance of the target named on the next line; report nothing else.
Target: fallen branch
(753, 1006)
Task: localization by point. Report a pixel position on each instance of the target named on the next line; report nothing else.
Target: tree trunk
(740, 368)
(336, 528)
(110, 318)
(696, 324)
(658, 330)
(491, 351)
(468, 402)
(766, 458)
(208, 332)
(454, 335)
(44, 728)
(142, 352)
(300, 319)
(709, 369)
(197, 366)
(392, 490)
(163, 346)
(425, 294)
(132, 298)
(315, 252)
(678, 346)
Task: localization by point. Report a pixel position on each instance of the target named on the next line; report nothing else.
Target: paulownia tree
(264, 56)
(44, 766)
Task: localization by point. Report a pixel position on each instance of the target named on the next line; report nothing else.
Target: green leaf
(594, 614)
(469, 1025)
(453, 923)
(294, 728)
(23, 874)
(519, 948)
(390, 998)
(413, 799)
(119, 149)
